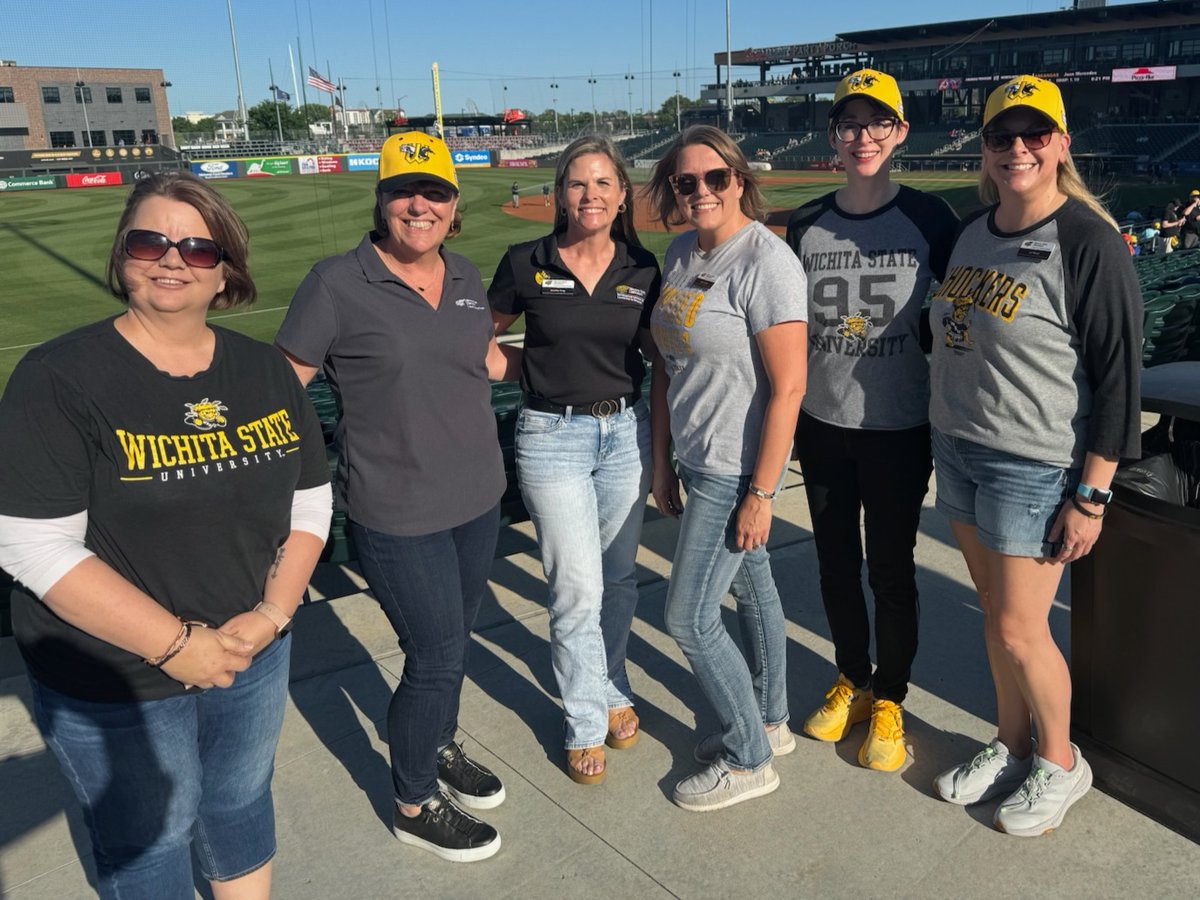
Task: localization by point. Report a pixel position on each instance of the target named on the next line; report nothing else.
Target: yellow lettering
(134, 446)
(163, 455)
(248, 444)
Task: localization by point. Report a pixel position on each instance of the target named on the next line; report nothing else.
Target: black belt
(600, 408)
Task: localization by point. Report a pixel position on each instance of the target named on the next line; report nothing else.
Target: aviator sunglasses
(149, 246)
(716, 179)
(1034, 139)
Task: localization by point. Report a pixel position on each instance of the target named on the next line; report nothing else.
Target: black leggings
(886, 475)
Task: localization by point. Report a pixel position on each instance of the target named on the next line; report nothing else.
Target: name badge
(1036, 249)
(558, 286)
(703, 282)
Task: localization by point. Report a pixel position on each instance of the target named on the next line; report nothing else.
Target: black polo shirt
(579, 347)
(417, 445)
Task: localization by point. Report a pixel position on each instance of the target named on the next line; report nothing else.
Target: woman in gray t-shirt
(728, 378)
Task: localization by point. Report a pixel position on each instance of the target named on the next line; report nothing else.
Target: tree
(181, 125)
(665, 117)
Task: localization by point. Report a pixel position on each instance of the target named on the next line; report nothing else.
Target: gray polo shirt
(417, 445)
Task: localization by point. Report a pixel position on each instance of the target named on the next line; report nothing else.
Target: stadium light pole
(592, 82)
(629, 85)
(505, 109)
(237, 72)
(554, 103)
(728, 72)
(675, 75)
(87, 128)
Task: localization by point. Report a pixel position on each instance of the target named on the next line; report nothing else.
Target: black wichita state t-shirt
(579, 348)
(187, 483)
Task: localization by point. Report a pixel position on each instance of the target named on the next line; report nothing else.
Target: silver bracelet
(759, 492)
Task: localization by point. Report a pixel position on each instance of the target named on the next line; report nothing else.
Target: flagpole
(275, 95)
(295, 89)
(237, 71)
(303, 84)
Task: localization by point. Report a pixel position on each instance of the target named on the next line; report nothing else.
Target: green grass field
(54, 243)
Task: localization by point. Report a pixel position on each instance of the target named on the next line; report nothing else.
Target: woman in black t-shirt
(583, 435)
(152, 598)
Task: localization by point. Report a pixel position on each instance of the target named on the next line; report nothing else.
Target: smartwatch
(1094, 494)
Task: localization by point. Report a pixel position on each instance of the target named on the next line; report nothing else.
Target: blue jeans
(430, 587)
(584, 480)
(747, 693)
(161, 777)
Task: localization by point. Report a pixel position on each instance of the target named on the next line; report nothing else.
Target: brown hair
(225, 226)
(622, 226)
(662, 196)
(380, 223)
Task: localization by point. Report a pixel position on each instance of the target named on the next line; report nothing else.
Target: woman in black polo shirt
(583, 435)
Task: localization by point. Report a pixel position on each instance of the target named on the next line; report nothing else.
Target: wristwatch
(1094, 494)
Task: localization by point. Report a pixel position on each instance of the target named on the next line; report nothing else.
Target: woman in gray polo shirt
(402, 331)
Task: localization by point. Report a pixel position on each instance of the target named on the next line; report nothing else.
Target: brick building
(43, 107)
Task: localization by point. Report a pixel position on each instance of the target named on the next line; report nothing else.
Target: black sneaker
(446, 831)
(469, 783)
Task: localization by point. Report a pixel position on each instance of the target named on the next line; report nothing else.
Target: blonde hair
(1069, 182)
(662, 196)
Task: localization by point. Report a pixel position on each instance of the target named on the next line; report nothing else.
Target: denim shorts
(159, 779)
(1012, 501)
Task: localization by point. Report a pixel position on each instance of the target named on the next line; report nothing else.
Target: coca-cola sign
(93, 179)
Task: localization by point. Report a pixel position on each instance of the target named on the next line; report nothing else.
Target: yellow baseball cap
(415, 156)
(871, 84)
(1027, 90)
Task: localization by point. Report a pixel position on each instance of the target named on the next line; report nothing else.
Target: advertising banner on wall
(362, 162)
(216, 169)
(518, 163)
(28, 183)
(265, 168)
(93, 179)
(470, 158)
(313, 165)
(1143, 73)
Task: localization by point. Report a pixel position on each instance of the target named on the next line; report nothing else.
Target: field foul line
(249, 312)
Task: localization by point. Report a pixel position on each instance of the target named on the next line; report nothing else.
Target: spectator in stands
(152, 601)
(1171, 221)
(516, 195)
(730, 328)
(1189, 231)
(400, 327)
(583, 434)
(863, 435)
(1035, 396)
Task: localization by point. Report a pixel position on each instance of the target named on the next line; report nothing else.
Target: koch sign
(216, 168)
(362, 162)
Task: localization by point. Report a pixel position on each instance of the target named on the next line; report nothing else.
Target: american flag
(319, 81)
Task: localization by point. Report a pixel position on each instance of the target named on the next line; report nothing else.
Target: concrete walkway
(832, 829)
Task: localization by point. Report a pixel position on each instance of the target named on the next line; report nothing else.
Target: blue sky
(481, 46)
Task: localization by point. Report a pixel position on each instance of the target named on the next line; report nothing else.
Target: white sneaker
(716, 787)
(991, 772)
(1040, 804)
(781, 739)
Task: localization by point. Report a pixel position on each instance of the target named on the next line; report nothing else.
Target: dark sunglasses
(434, 193)
(848, 132)
(150, 245)
(999, 141)
(716, 179)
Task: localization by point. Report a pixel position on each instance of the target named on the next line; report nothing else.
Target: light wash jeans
(747, 692)
(584, 480)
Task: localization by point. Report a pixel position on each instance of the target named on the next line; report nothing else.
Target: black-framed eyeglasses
(1034, 139)
(149, 246)
(716, 179)
(430, 190)
(877, 129)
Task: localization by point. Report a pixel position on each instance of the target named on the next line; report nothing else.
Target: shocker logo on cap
(417, 153)
(1022, 90)
(862, 82)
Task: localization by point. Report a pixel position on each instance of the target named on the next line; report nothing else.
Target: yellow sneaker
(845, 706)
(883, 750)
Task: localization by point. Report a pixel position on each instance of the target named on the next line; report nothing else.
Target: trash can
(1135, 621)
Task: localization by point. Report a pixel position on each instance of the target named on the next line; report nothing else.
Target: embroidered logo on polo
(468, 303)
(209, 450)
(631, 294)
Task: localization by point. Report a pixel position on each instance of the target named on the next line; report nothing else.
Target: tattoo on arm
(278, 560)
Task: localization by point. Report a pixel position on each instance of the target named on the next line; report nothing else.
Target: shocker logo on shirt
(206, 415)
(958, 324)
(856, 327)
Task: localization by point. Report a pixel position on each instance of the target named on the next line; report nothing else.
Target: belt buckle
(602, 409)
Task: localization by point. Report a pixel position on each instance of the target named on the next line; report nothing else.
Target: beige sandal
(578, 755)
(617, 718)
